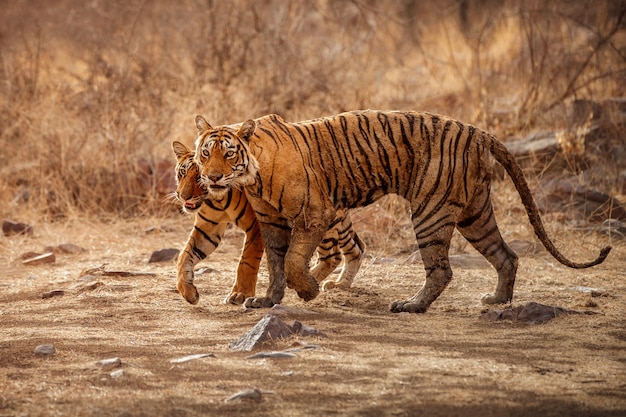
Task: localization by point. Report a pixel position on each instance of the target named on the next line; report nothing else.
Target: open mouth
(192, 205)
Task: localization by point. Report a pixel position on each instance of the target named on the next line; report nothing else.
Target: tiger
(299, 175)
(212, 216)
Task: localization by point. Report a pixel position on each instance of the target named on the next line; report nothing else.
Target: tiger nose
(215, 177)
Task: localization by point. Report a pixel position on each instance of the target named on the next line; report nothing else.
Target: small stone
(302, 330)
(68, 248)
(272, 355)
(29, 254)
(117, 373)
(46, 258)
(53, 293)
(595, 292)
(45, 350)
(206, 270)
(164, 255)
(249, 394)
(192, 357)
(10, 228)
(110, 363)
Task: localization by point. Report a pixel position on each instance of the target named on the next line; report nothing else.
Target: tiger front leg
(202, 241)
(247, 272)
(297, 270)
(184, 267)
(276, 239)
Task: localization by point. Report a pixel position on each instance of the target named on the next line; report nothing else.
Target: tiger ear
(202, 125)
(247, 129)
(179, 149)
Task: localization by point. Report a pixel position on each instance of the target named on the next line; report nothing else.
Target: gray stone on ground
(268, 328)
(109, 363)
(164, 255)
(45, 350)
(531, 313)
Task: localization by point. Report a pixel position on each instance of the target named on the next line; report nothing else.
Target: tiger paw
(235, 298)
(258, 302)
(496, 299)
(308, 294)
(405, 306)
(189, 292)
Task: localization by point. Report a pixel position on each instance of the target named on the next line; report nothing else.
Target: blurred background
(92, 93)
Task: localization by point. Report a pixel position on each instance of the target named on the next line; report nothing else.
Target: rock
(164, 255)
(10, 228)
(117, 373)
(614, 227)
(206, 270)
(268, 328)
(254, 394)
(67, 248)
(272, 355)
(582, 202)
(92, 273)
(46, 258)
(594, 292)
(271, 327)
(192, 357)
(45, 350)
(53, 293)
(302, 330)
(108, 364)
(531, 313)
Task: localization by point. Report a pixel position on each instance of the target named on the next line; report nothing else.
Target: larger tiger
(298, 175)
(212, 216)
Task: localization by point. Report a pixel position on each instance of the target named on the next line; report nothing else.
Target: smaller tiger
(212, 216)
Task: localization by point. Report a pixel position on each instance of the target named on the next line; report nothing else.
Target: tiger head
(223, 155)
(189, 190)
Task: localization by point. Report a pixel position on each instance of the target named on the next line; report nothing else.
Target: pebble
(45, 350)
(164, 255)
(248, 394)
(13, 228)
(46, 258)
(117, 373)
(53, 293)
(110, 363)
(68, 248)
(595, 292)
(192, 357)
(272, 355)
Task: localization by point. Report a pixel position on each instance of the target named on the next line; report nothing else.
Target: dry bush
(92, 93)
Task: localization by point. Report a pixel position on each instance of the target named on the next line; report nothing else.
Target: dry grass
(91, 94)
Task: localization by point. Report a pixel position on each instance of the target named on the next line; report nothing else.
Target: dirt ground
(447, 362)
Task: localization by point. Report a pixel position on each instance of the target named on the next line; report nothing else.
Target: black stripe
(207, 237)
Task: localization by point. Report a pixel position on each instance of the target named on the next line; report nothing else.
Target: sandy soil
(447, 362)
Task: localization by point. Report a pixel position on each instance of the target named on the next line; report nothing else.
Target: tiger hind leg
(481, 231)
(353, 249)
(297, 273)
(434, 250)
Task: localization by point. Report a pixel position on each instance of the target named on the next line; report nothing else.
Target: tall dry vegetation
(92, 93)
